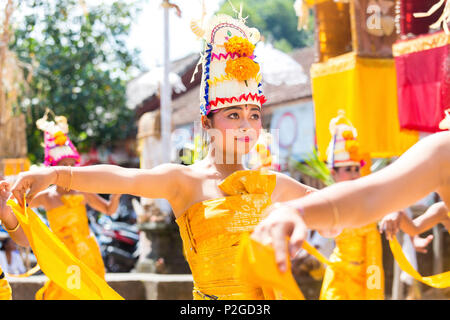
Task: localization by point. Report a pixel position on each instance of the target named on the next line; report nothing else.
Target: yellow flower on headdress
(348, 135)
(352, 147)
(60, 138)
(242, 68)
(239, 45)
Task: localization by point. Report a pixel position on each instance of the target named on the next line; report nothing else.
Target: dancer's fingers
(296, 241)
(18, 194)
(261, 235)
(278, 235)
(32, 193)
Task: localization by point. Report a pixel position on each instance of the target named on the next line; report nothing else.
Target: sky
(147, 32)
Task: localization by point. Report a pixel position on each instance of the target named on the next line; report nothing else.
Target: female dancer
(215, 200)
(66, 210)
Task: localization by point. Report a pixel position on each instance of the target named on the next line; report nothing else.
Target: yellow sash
(30, 272)
(256, 264)
(441, 280)
(58, 263)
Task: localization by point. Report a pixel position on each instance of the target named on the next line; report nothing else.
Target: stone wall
(131, 286)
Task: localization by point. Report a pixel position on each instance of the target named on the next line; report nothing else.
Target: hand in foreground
(4, 196)
(33, 183)
(282, 222)
(390, 224)
(421, 244)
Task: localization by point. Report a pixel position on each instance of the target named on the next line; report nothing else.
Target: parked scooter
(118, 243)
(117, 238)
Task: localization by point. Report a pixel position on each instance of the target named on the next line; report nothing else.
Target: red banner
(423, 81)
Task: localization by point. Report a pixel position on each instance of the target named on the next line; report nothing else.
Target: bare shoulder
(287, 188)
(284, 179)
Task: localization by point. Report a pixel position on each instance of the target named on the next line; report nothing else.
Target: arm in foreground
(421, 170)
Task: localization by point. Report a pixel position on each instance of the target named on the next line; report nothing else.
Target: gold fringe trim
(421, 44)
(346, 62)
(314, 2)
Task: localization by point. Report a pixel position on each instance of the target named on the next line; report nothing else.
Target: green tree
(275, 20)
(81, 66)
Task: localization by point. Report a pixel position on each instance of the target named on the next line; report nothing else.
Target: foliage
(314, 168)
(80, 67)
(275, 20)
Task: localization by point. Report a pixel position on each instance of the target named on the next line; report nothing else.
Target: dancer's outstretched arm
(424, 168)
(159, 182)
(435, 214)
(108, 207)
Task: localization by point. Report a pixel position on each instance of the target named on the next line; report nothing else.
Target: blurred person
(66, 209)
(10, 259)
(358, 251)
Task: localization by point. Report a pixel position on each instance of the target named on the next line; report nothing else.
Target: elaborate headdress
(57, 144)
(343, 149)
(230, 74)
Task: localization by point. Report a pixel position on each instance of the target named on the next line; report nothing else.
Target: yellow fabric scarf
(58, 263)
(256, 264)
(441, 280)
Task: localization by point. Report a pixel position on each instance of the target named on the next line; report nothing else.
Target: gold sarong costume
(358, 270)
(211, 231)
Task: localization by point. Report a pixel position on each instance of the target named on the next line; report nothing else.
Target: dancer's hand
(33, 183)
(421, 244)
(282, 222)
(4, 196)
(390, 224)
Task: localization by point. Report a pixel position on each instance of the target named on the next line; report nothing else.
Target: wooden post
(437, 250)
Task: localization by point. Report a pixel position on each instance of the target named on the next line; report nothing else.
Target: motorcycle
(118, 240)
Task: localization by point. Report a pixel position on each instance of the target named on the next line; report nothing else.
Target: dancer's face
(235, 129)
(346, 173)
(67, 162)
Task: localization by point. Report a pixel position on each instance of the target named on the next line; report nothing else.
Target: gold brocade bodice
(212, 229)
(69, 217)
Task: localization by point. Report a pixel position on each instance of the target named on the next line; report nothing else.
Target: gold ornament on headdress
(340, 119)
(443, 20)
(445, 123)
